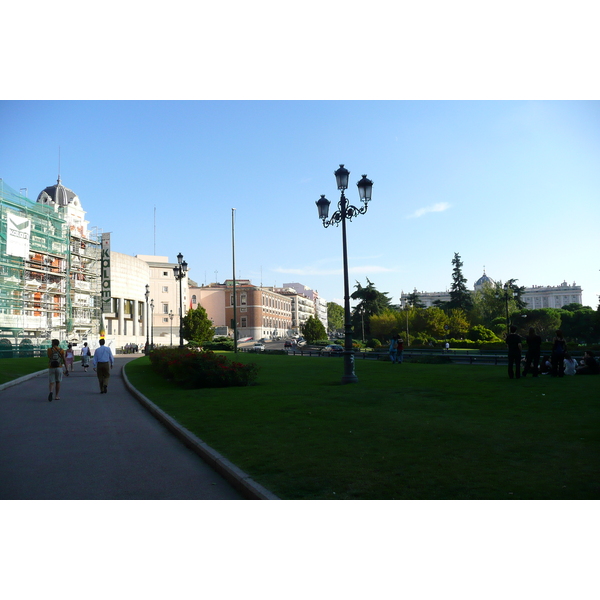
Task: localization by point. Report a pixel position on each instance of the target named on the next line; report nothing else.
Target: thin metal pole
(235, 347)
(180, 307)
(349, 375)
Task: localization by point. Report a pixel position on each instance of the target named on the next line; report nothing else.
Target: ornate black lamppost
(346, 212)
(152, 324)
(147, 295)
(179, 272)
(506, 294)
(171, 315)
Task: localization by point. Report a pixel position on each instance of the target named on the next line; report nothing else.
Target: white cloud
(439, 207)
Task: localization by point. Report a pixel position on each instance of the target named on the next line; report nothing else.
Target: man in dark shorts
(513, 341)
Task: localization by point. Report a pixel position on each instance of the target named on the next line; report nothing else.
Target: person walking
(400, 351)
(56, 360)
(513, 341)
(532, 357)
(393, 350)
(559, 349)
(85, 357)
(69, 358)
(103, 363)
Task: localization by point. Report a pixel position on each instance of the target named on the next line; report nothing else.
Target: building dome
(483, 281)
(58, 195)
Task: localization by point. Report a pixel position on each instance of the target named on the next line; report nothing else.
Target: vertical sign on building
(105, 267)
(18, 232)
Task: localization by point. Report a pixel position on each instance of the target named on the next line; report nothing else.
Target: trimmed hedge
(191, 369)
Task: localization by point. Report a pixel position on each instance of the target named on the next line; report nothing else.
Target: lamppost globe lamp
(341, 178)
(323, 206)
(346, 212)
(365, 187)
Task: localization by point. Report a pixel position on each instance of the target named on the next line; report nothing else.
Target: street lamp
(152, 324)
(346, 212)
(179, 272)
(506, 295)
(147, 295)
(171, 315)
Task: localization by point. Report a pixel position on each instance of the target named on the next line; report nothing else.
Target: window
(165, 273)
(194, 302)
(128, 307)
(165, 319)
(165, 308)
(165, 288)
(244, 321)
(244, 299)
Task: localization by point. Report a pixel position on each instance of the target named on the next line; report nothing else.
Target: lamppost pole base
(349, 374)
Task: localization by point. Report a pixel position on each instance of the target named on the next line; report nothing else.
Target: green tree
(197, 327)
(544, 320)
(458, 323)
(335, 316)
(313, 330)
(386, 324)
(429, 321)
(580, 325)
(372, 302)
(460, 296)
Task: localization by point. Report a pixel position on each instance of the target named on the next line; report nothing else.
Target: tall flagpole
(235, 348)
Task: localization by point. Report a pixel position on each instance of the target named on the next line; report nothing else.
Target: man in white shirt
(103, 363)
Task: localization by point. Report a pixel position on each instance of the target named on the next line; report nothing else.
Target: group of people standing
(61, 362)
(557, 365)
(396, 349)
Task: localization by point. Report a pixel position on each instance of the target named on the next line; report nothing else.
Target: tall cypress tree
(460, 297)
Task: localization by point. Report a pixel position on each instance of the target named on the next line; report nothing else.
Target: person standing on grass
(393, 350)
(400, 350)
(103, 363)
(532, 357)
(56, 360)
(513, 341)
(85, 357)
(559, 349)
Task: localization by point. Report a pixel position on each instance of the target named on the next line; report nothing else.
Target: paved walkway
(89, 445)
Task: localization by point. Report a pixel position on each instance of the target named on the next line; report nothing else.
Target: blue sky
(511, 185)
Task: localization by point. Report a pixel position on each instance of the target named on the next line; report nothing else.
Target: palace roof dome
(58, 195)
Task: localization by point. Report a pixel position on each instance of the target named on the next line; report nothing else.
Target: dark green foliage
(191, 369)
(460, 296)
(372, 302)
(197, 327)
(313, 330)
(222, 344)
(335, 316)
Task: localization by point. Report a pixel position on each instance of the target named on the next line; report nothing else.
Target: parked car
(332, 349)
(258, 347)
(287, 344)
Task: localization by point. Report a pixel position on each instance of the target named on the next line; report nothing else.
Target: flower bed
(192, 369)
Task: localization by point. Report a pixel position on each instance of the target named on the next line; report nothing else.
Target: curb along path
(236, 477)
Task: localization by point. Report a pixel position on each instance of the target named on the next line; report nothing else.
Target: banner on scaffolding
(105, 266)
(18, 232)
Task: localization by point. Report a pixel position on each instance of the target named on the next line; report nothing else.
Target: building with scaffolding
(49, 270)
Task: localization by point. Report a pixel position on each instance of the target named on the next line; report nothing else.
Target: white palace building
(537, 296)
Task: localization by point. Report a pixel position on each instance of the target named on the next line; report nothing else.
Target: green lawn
(411, 431)
(13, 368)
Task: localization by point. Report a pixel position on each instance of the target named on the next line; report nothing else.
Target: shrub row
(192, 369)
